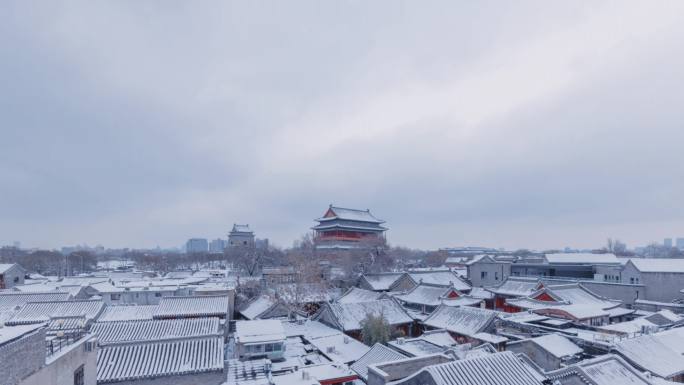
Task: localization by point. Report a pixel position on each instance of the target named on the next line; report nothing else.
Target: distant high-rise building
(680, 243)
(217, 245)
(241, 235)
(667, 243)
(196, 245)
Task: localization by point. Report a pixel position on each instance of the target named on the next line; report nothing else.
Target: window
(157, 294)
(79, 376)
(277, 347)
(496, 275)
(116, 297)
(269, 348)
(631, 280)
(483, 274)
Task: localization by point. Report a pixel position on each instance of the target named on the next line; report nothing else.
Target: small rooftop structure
(259, 331)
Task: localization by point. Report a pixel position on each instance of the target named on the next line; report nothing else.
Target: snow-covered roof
(335, 212)
(381, 281)
(438, 337)
(256, 307)
(308, 329)
(129, 331)
(575, 311)
(240, 228)
(658, 265)
(578, 294)
(611, 371)
(12, 333)
(340, 348)
(424, 295)
(127, 362)
(658, 353)
(349, 316)
(478, 292)
(377, 354)
(493, 369)
(665, 317)
(608, 369)
(193, 306)
(491, 338)
(416, 347)
(557, 345)
(581, 258)
(127, 313)
(106, 287)
(466, 321)
(440, 278)
(38, 312)
(356, 294)
(4, 267)
(630, 327)
(516, 287)
(13, 299)
(258, 331)
(325, 373)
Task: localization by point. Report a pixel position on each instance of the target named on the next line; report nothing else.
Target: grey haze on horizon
(504, 124)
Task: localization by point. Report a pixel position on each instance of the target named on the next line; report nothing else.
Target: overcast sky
(494, 123)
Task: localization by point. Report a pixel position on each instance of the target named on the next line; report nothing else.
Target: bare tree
(306, 288)
(616, 247)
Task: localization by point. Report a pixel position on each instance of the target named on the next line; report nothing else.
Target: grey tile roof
(129, 331)
(378, 353)
(127, 313)
(193, 306)
(11, 300)
(36, 312)
(496, 369)
(123, 362)
(466, 321)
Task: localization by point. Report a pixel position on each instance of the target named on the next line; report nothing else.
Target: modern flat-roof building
(343, 228)
(197, 245)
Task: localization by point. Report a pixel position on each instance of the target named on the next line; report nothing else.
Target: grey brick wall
(21, 358)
